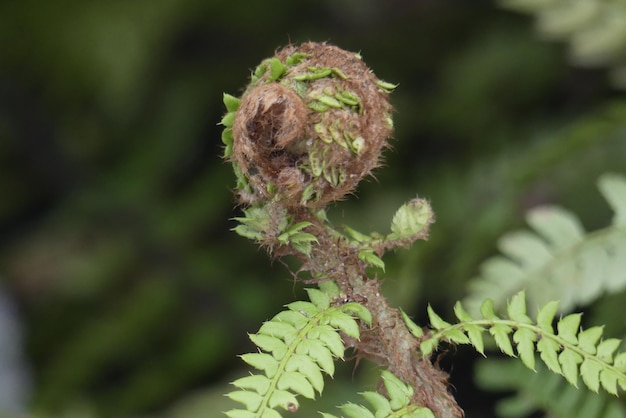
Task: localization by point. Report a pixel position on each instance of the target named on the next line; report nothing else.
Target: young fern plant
(310, 125)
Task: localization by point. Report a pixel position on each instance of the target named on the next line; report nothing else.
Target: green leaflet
(297, 346)
(257, 224)
(414, 329)
(397, 404)
(367, 255)
(231, 102)
(556, 259)
(299, 240)
(570, 351)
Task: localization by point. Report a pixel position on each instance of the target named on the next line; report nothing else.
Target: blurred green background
(123, 292)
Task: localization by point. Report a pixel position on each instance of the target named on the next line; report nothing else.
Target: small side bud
(411, 221)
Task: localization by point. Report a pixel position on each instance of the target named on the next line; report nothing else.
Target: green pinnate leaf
(461, 313)
(608, 380)
(319, 353)
(590, 372)
(305, 308)
(475, 335)
(281, 330)
(456, 335)
(569, 360)
(435, 320)
(588, 339)
(262, 361)
(411, 219)
(429, 345)
(251, 400)
(309, 369)
(271, 413)
(422, 413)
(283, 398)
(330, 288)
(304, 247)
(356, 411)
(378, 402)
(319, 298)
(606, 349)
(516, 309)
(548, 350)
(257, 382)
(359, 311)
(297, 227)
(369, 257)
(297, 383)
(414, 329)
(525, 339)
(620, 362)
(270, 344)
(301, 238)
(399, 393)
(294, 318)
(344, 322)
(356, 235)
(568, 328)
(239, 413)
(501, 334)
(329, 337)
(545, 316)
(248, 232)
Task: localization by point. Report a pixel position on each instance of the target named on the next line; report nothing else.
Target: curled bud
(311, 124)
(411, 220)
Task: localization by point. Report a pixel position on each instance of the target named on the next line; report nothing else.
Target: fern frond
(558, 260)
(594, 29)
(297, 345)
(569, 351)
(397, 403)
(542, 391)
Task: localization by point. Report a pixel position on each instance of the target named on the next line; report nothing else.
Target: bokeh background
(123, 292)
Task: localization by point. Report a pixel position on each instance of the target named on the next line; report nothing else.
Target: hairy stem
(388, 342)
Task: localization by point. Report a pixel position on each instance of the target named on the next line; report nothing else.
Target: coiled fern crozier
(310, 125)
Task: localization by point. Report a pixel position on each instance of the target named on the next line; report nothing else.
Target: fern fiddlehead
(310, 125)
